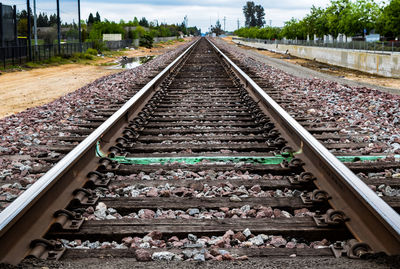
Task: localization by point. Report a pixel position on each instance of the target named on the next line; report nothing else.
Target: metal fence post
(4, 57)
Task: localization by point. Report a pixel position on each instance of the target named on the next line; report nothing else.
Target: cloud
(201, 13)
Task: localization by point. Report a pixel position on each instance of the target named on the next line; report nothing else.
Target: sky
(200, 13)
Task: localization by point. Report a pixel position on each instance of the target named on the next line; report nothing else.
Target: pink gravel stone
(256, 188)
(277, 241)
(143, 255)
(155, 235)
(153, 192)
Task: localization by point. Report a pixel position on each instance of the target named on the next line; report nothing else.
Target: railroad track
(202, 164)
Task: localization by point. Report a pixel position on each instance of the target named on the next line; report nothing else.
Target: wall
(112, 37)
(384, 64)
(159, 39)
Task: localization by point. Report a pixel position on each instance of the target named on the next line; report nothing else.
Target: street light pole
(35, 23)
(79, 26)
(58, 27)
(29, 30)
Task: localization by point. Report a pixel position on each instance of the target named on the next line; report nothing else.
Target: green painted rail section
(277, 159)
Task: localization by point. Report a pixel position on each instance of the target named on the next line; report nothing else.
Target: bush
(84, 56)
(146, 41)
(91, 51)
(99, 46)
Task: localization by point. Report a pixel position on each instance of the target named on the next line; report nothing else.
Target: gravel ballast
(25, 135)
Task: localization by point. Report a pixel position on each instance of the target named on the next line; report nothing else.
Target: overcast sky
(199, 12)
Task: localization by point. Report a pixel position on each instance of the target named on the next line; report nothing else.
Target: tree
(143, 22)
(336, 12)
(367, 12)
(294, 29)
(97, 19)
(388, 22)
(249, 13)
(146, 41)
(254, 15)
(53, 20)
(316, 22)
(90, 19)
(217, 29)
(43, 20)
(135, 22)
(260, 14)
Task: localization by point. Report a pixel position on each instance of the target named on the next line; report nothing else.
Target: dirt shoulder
(24, 89)
(326, 71)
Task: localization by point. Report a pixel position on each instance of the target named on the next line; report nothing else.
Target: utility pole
(238, 23)
(2, 45)
(58, 27)
(224, 22)
(35, 24)
(15, 25)
(79, 26)
(28, 7)
(270, 23)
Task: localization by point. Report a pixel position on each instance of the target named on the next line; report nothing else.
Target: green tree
(294, 29)
(135, 22)
(143, 22)
(217, 29)
(146, 41)
(260, 14)
(388, 22)
(97, 19)
(90, 19)
(336, 12)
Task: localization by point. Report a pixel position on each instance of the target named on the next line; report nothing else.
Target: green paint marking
(277, 159)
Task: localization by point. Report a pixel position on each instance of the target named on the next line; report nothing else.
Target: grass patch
(108, 64)
(114, 53)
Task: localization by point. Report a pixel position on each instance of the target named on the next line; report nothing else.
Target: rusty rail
(371, 220)
(30, 215)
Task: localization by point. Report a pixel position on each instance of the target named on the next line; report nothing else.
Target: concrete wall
(384, 64)
(135, 42)
(159, 39)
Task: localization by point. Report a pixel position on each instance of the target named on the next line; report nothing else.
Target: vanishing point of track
(202, 137)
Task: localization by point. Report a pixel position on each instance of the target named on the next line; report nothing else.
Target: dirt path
(341, 73)
(24, 89)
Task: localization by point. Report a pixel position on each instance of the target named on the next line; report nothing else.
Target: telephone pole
(58, 27)
(35, 24)
(238, 24)
(79, 26)
(224, 22)
(28, 7)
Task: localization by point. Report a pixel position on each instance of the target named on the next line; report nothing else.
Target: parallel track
(247, 165)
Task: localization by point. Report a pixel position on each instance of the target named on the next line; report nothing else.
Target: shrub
(146, 41)
(91, 51)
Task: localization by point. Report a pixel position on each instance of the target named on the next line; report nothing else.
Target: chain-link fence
(17, 55)
(376, 47)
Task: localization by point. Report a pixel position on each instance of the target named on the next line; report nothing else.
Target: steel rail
(372, 220)
(16, 211)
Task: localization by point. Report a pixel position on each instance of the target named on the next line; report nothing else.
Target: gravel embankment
(25, 135)
(375, 113)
